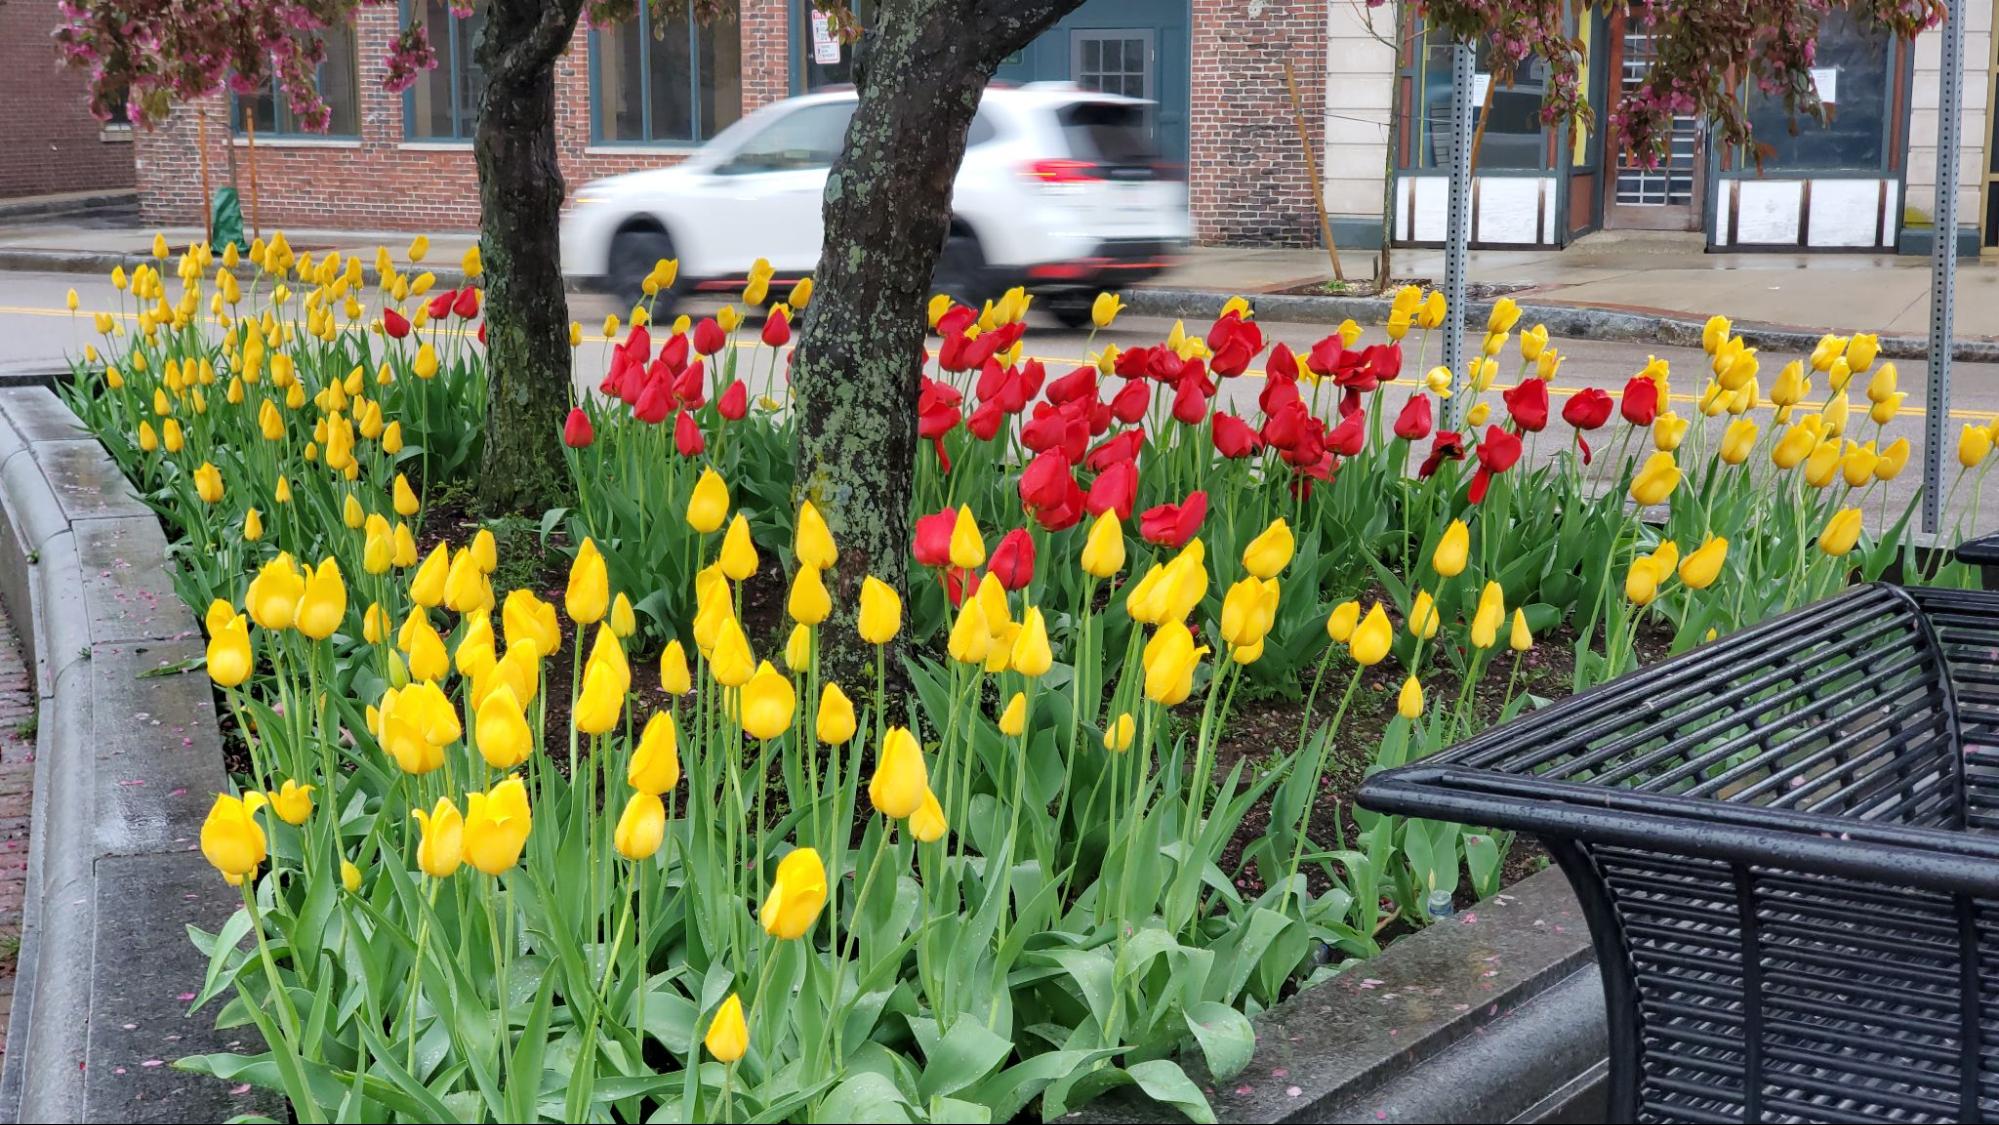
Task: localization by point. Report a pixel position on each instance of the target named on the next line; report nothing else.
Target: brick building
(49, 142)
(628, 98)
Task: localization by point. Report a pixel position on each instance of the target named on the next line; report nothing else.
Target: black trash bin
(1787, 846)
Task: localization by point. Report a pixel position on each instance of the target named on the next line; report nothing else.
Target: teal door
(1134, 47)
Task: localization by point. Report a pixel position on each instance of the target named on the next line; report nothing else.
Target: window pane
(620, 85)
(471, 76)
(339, 82)
(1857, 59)
(804, 138)
(444, 103)
(721, 76)
(671, 94)
(1514, 137)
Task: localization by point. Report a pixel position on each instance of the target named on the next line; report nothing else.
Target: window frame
(464, 119)
(1740, 164)
(280, 110)
(641, 25)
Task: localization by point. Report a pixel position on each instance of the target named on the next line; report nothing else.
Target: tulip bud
(1521, 639)
(728, 1036)
(836, 720)
(1409, 701)
(641, 827)
(1453, 549)
(1371, 638)
(927, 823)
(881, 611)
(900, 779)
(797, 895)
(1841, 532)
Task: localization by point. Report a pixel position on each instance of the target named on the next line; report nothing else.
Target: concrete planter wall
(128, 758)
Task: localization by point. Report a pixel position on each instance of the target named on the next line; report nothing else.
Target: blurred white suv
(1062, 190)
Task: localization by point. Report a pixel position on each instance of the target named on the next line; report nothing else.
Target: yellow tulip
(1882, 386)
(292, 802)
(738, 557)
(1432, 312)
(231, 839)
(1171, 659)
(1340, 623)
(1837, 411)
(1857, 464)
(1823, 465)
(1533, 342)
(1796, 445)
(230, 657)
(622, 619)
(1491, 614)
(728, 1036)
(149, 441)
(1013, 720)
(1737, 440)
(427, 655)
(1656, 480)
(273, 595)
(1861, 350)
(171, 437)
(497, 824)
(732, 664)
(808, 603)
(1103, 310)
(1031, 655)
(1841, 532)
(404, 554)
(881, 611)
(442, 846)
(1714, 334)
(1504, 315)
(655, 764)
(525, 618)
(427, 584)
(1103, 550)
(836, 721)
(501, 729)
(1886, 410)
(641, 827)
(708, 505)
(1423, 616)
(1270, 552)
(1521, 639)
(971, 637)
(900, 779)
(797, 895)
(350, 876)
(323, 604)
(927, 824)
(1893, 460)
(1699, 570)
(798, 648)
(1641, 582)
(968, 547)
(1452, 550)
(674, 678)
(208, 483)
(1409, 701)
(1119, 734)
(812, 540)
(1371, 638)
(588, 594)
(600, 703)
(1974, 444)
(768, 703)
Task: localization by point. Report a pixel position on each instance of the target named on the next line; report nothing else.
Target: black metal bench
(1787, 846)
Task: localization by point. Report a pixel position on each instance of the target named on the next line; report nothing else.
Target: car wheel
(1070, 310)
(634, 253)
(961, 271)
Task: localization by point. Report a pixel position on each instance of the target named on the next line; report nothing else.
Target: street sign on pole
(1457, 237)
(1943, 271)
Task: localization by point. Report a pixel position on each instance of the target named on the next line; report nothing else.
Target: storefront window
(677, 81)
(1514, 138)
(826, 60)
(1857, 68)
(339, 87)
(444, 103)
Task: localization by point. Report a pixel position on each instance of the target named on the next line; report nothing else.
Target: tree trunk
(520, 204)
(920, 72)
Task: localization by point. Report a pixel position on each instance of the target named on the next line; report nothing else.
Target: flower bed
(680, 901)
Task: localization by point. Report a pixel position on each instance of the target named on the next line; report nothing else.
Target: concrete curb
(1581, 322)
(1496, 1015)
(125, 767)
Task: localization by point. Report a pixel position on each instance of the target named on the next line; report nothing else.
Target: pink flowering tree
(1707, 51)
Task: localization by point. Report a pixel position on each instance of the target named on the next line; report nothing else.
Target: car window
(809, 137)
(1114, 133)
(982, 130)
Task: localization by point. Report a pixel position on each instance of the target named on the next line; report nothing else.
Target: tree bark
(920, 71)
(520, 205)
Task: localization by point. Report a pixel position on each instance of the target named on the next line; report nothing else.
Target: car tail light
(1061, 171)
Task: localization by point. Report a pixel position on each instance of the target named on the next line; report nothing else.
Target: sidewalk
(1669, 276)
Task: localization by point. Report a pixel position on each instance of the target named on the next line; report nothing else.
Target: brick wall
(49, 142)
(1246, 176)
(385, 180)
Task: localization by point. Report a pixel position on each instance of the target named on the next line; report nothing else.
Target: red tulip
(481, 334)
(1130, 404)
(687, 436)
(1124, 447)
(1233, 436)
(1171, 525)
(1068, 512)
(1026, 385)
(638, 345)
(1414, 423)
(1528, 404)
(691, 386)
(955, 320)
(1349, 437)
(1013, 560)
(440, 305)
(937, 409)
(1496, 454)
(1232, 343)
(992, 377)
(1641, 401)
(1324, 357)
(1449, 445)
(1164, 365)
(1190, 405)
(932, 546)
(576, 431)
(957, 583)
(1044, 482)
(1080, 383)
(1134, 363)
(1282, 366)
(395, 324)
(777, 328)
(984, 423)
(467, 305)
(654, 401)
(673, 353)
(709, 337)
(1587, 409)
(735, 401)
(1114, 490)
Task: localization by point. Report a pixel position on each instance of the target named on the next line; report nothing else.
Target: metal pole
(1943, 270)
(1457, 239)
